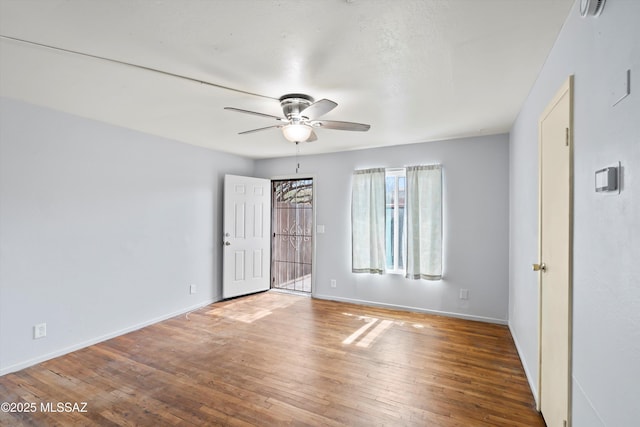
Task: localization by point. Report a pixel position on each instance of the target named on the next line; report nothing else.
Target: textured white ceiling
(416, 70)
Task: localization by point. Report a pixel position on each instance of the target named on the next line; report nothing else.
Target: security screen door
(292, 236)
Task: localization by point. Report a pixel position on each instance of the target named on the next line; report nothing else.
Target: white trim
(22, 365)
(530, 379)
(413, 309)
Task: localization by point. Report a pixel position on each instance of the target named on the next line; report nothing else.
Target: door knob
(539, 267)
(227, 243)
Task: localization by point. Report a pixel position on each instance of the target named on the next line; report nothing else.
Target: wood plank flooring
(280, 359)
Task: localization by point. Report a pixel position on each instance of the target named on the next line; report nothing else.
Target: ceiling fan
(301, 118)
(300, 111)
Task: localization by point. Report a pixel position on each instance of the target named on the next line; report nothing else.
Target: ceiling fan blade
(142, 67)
(255, 113)
(312, 137)
(318, 108)
(259, 129)
(332, 124)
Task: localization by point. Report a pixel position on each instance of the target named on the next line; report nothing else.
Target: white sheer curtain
(424, 222)
(368, 221)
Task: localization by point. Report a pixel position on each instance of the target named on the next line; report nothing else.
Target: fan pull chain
(297, 153)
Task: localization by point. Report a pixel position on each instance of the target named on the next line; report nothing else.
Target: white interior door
(246, 233)
(556, 210)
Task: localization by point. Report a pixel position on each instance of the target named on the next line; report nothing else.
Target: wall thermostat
(607, 179)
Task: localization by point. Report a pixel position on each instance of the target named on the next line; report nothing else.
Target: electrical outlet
(39, 331)
(464, 293)
(193, 288)
(333, 283)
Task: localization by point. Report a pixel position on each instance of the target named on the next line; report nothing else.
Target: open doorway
(292, 234)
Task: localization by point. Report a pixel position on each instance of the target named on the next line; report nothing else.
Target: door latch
(539, 267)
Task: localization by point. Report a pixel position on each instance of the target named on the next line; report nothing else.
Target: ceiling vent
(591, 7)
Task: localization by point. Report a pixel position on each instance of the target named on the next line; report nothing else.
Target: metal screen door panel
(292, 226)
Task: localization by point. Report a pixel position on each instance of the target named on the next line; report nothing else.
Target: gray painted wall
(475, 172)
(102, 230)
(606, 318)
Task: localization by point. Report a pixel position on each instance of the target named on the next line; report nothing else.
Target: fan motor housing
(293, 103)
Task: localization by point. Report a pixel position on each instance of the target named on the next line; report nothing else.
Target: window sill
(396, 272)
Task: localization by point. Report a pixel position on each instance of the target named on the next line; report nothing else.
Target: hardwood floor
(278, 359)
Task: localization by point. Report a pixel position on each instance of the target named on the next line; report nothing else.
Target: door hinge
(564, 423)
(566, 140)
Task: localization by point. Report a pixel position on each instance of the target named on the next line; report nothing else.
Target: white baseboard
(414, 309)
(22, 365)
(532, 381)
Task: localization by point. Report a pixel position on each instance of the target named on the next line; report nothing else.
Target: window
(395, 228)
(396, 221)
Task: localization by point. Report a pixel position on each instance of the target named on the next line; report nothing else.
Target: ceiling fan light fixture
(296, 132)
(300, 118)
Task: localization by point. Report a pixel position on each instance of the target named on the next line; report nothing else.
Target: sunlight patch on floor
(377, 331)
(245, 310)
(354, 336)
(372, 335)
